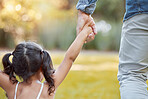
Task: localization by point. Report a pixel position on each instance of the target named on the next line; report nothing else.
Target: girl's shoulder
(11, 91)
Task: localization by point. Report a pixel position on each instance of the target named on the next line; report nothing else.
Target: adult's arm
(87, 6)
(85, 9)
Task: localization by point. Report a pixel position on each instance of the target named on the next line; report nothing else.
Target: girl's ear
(41, 75)
(40, 68)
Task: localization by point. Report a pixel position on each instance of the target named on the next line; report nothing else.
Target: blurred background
(52, 24)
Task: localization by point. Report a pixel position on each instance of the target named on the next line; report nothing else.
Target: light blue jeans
(133, 58)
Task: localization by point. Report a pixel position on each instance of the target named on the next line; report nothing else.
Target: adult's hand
(83, 19)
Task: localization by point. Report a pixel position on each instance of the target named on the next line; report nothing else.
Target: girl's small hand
(90, 37)
(89, 32)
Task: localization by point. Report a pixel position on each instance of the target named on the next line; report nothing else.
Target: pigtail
(8, 67)
(7, 64)
(48, 70)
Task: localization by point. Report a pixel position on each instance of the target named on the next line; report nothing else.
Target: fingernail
(95, 29)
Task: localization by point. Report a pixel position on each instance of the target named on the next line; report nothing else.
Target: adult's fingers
(80, 25)
(93, 25)
(82, 20)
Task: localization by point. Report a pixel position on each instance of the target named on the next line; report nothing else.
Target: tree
(18, 18)
(110, 9)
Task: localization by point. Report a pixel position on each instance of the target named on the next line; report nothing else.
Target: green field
(93, 76)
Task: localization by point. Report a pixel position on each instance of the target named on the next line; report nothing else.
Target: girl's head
(28, 59)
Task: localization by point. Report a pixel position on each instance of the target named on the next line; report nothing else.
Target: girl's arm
(71, 55)
(5, 82)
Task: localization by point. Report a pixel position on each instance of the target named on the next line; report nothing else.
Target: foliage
(110, 9)
(61, 37)
(18, 18)
(52, 23)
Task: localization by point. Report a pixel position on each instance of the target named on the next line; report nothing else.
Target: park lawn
(87, 58)
(88, 83)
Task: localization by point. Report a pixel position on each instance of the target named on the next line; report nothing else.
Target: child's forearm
(70, 56)
(76, 47)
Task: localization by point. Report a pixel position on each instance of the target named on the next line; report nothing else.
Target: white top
(38, 94)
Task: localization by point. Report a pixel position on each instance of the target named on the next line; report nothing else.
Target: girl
(30, 62)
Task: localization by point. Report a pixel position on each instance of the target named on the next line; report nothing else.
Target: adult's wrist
(82, 13)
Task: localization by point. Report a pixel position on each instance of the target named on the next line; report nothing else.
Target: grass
(91, 83)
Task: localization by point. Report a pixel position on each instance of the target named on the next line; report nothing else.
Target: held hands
(83, 19)
(87, 31)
